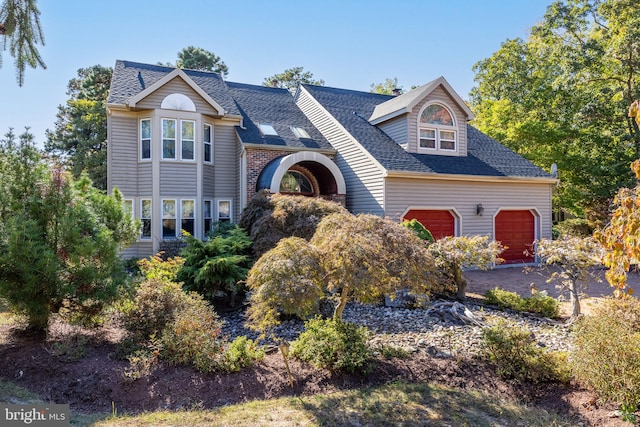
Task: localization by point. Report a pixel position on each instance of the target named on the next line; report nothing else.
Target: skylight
(267, 129)
(299, 132)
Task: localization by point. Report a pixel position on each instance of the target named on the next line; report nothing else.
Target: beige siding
(208, 184)
(363, 176)
(225, 180)
(397, 129)
(464, 196)
(178, 178)
(438, 95)
(140, 249)
(177, 85)
(145, 179)
(123, 153)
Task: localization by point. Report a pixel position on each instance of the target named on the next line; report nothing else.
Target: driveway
(515, 279)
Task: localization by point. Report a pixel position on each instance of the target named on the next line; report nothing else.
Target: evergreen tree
(59, 238)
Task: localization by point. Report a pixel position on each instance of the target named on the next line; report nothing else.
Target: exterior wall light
(479, 209)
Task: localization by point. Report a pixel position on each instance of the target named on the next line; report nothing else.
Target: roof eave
(476, 178)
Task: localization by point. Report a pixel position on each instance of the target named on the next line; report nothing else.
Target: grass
(394, 404)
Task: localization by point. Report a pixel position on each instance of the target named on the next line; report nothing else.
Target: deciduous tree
(291, 78)
(387, 87)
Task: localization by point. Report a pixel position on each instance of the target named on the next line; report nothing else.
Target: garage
(516, 230)
(440, 223)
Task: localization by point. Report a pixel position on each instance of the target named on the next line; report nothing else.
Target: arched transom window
(437, 129)
(296, 182)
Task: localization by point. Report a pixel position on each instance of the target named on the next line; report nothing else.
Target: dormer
(431, 119)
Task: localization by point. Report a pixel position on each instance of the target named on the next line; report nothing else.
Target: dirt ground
(95, 381)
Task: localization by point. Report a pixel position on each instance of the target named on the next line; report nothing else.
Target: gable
(179, 86)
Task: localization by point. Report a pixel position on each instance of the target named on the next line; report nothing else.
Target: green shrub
(159, 267)
(216, 268)
(574, 227)
(539, 303)
(419, 229)
(242, 352)
(193, 336)
(518, 357)
(149, 311)
(334, 344)
(605, 355)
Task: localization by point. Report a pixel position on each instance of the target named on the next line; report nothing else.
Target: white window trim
(195, 216)
(210, 143)
(145, 159)
(177, 217)
(205, 232)
(176, 147)
(438, 128)
(195, 138)
(141, 237)
(218, 202)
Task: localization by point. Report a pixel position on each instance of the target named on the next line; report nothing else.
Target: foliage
(291, 78)
(574, 227)
(518, 357)
(561, 97)
(621, 237)
(419, 229)
(605, 355)
(217, 267)
(193, 335)
(453, 253)
(146, 314)
(79, 138)
(158, 268)
(271, 217)
(387, 87)
(20, 29)
(195, 58)
(59, 238)
(367, 257)
(242, 352)
(334, 344)
(539, 303)
(288, 279)
(572, 256)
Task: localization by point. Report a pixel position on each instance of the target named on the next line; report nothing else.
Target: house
(187, 148)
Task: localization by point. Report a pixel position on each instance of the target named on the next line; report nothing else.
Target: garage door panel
(516, 230)
(440, 223)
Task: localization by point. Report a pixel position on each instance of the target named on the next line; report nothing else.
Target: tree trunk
(344, 297)
(461, 284)
(575, 299)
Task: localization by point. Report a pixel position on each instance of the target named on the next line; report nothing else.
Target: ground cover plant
(539, 303)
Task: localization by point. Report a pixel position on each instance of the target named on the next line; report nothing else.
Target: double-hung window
(145, 218)
(207, 215)
(224, 211)
(168, 219)
(436, 129)
(187, 214)
(169, 139)
(145, 139)
(187, 139)
(208, 144)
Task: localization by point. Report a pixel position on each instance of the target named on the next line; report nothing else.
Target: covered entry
(516, 229)
(439, 222)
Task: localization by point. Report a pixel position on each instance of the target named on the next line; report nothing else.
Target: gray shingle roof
(274, 106)
(131, 78)
(485, 156)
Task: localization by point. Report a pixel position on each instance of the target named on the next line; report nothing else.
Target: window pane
(187, 150)
(207, 133)
(146, 149)
(146, 228)
(168, 128)
(224, 210)
(187, 130)
(207, 152)
(428, 133)
(145, 129)
(168, 209)
(436, 114)
(168, 149)
(127, 206)
(207, 209)
(188, 207)
(428, 138)
(146, 209)
(168, 228)
(145, 216)
(447, 145)
(447, 135)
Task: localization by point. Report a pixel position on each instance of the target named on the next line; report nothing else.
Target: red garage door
(439, 223)
(516, 230)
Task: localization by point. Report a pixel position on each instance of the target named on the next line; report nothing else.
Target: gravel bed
(417, 330)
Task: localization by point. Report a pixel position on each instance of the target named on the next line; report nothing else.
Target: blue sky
(347, 43)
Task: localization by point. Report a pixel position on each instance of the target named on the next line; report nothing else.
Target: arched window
(296, 182)
(437, 129)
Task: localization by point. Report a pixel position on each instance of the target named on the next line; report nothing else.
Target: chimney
(274, 83)
(397, 91)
